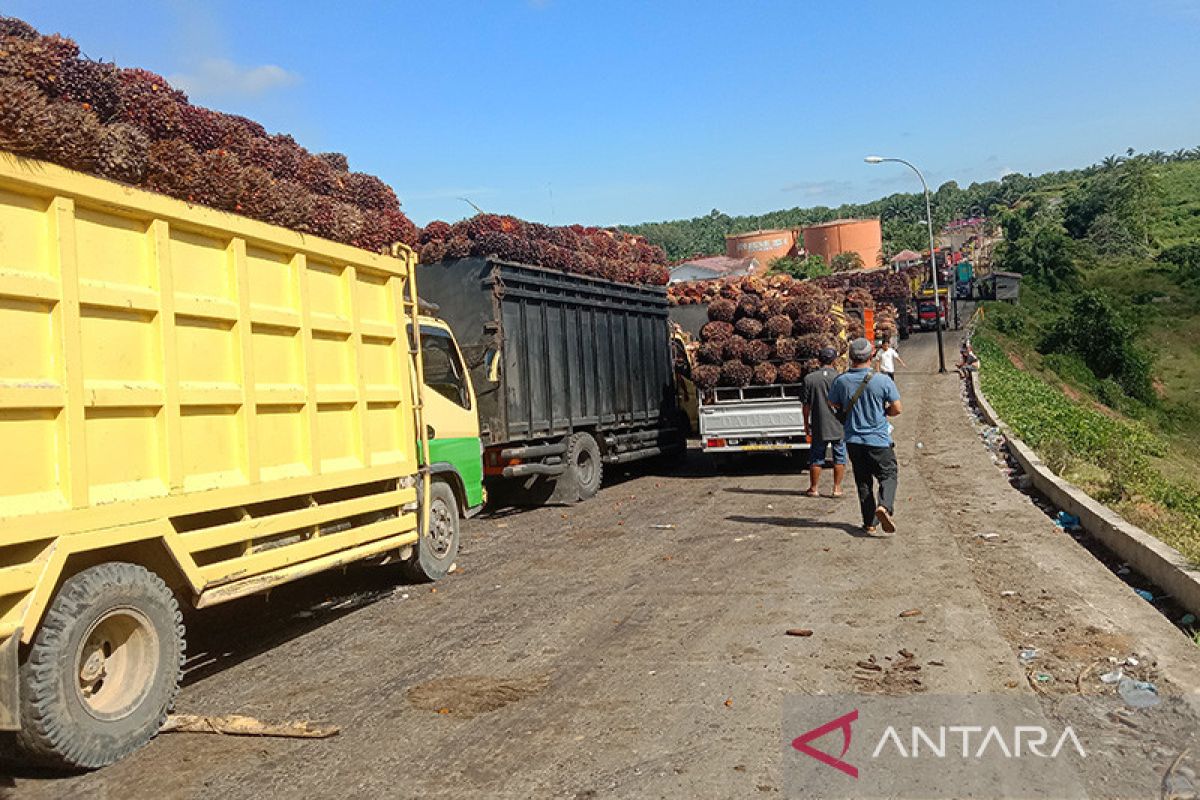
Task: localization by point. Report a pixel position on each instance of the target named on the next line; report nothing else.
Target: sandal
(885, 520)
(812, 493)
(836, 495)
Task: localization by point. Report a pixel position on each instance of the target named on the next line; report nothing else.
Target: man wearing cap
(864, 405)
(824, 429)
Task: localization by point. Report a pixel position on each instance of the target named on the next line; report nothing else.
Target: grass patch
(1114, 458)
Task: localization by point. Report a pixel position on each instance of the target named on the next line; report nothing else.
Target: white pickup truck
(754, 418)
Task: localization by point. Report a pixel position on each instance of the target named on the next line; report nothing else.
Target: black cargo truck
(571, 373)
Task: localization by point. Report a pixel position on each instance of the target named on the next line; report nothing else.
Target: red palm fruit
(757, 351)
(74, 139)
(149, 102)
(786, 349)
(722, 310)
(367, 191)
(93, 84)
(435, 231)
(202, 128)
(710, 353)
(26, 121)
(41, 61)
(734, 348)
(779, 326)
(338, 161)
(748, 305)
(748, 327)
(17, 28)
(716, 331)
(433, 252)
(765, 374)
(219, 182)
(809, 345)
(318, 176)
(706, 376)
(812, 323)
(790, 372)
(172, 167)
(735, 373)
(322, 216)
(458, 247)
(261, 197)
(396, 226)
(122, 152)
(730, 290)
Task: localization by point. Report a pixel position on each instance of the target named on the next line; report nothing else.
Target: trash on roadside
(912, 612)
(1187, 619)
(1131, 662)
(1067, 521)
(920, 445)
(1112, 677)
(1028, 655)
(1138, 694)
(1042, 677)
(1123, 569)
(988, 537)
(237, 725)
(1145, 595)
(1008, 593)
(799, 632)
(662, 527)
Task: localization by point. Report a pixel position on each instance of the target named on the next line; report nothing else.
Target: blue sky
(567, 111)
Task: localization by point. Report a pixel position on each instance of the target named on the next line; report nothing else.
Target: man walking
(824, 429)
(864, 402)
(887, 358)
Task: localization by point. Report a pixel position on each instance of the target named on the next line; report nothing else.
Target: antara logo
(973, 741)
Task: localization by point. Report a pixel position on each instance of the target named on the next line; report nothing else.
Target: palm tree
(1111, 162)
(1180, 155)
(1157, 157)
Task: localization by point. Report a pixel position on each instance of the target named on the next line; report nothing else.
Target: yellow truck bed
(191, 387)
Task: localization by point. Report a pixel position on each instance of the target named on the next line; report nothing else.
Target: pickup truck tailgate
(764, 419)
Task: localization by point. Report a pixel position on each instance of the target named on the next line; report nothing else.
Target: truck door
(450, 411)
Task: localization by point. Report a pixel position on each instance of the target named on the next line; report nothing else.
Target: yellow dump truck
(195, 406)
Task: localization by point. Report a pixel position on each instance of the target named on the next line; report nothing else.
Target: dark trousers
(873, 464)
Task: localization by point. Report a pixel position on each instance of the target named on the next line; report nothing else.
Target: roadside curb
(1155, 559)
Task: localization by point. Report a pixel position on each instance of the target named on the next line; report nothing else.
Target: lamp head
(873, 159)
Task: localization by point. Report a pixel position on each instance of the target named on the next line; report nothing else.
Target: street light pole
(937, 301)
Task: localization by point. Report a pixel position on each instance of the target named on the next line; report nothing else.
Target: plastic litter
(1187, 619)
(663, 527)
(1044, 678)
(1028, 655)
(1123, 569)
(1008, 593)
(1145, 595)
(1131, 662)
(1112, 677)
(988, 537)
(1138, 694)
(1066, 521)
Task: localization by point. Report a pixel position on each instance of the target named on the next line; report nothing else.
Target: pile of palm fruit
(130, 125)
(596, 252)
(765, 331)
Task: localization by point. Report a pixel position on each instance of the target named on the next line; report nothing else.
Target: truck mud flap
(10, 692)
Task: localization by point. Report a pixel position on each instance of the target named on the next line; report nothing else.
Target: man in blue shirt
(866, 400)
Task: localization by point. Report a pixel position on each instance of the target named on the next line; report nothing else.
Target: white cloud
(220, 77)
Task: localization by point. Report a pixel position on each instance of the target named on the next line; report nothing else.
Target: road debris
(1028, 655)
(799, 632)
(662, 527)
(912, 612)
(988, 537)
(1138, 694)
(238, 725)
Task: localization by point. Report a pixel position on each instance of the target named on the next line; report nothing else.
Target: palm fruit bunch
(596, 252)
(776, 326)
(132, 126)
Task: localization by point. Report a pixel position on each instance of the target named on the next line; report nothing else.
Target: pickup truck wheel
(583, 459)
(438, 546)
(103, 670)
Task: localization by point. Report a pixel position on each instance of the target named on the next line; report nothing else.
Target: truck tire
(103, 669)
(438, 546)
(583, 459)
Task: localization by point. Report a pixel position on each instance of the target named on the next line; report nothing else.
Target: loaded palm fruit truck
(196, 406)
(572, 373)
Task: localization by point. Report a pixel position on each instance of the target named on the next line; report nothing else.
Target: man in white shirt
(886, 357)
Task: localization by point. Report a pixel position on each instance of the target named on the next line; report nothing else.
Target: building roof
(907, 255)
(721, 265)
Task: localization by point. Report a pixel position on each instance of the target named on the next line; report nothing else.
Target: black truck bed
(576, 353)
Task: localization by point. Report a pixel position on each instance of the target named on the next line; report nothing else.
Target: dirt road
(583, 652)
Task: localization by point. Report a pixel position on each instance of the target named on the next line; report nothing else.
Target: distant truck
(573, 373)
(196, 406)
(931, 311)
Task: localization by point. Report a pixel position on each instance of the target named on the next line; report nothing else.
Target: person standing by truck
(864, 405)
(825, 431)
(886, 357)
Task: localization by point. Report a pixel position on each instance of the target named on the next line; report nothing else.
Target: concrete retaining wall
(1159, 562)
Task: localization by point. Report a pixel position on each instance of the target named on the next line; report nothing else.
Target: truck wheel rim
(116, 663)
(441, 529)
(585, 467)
